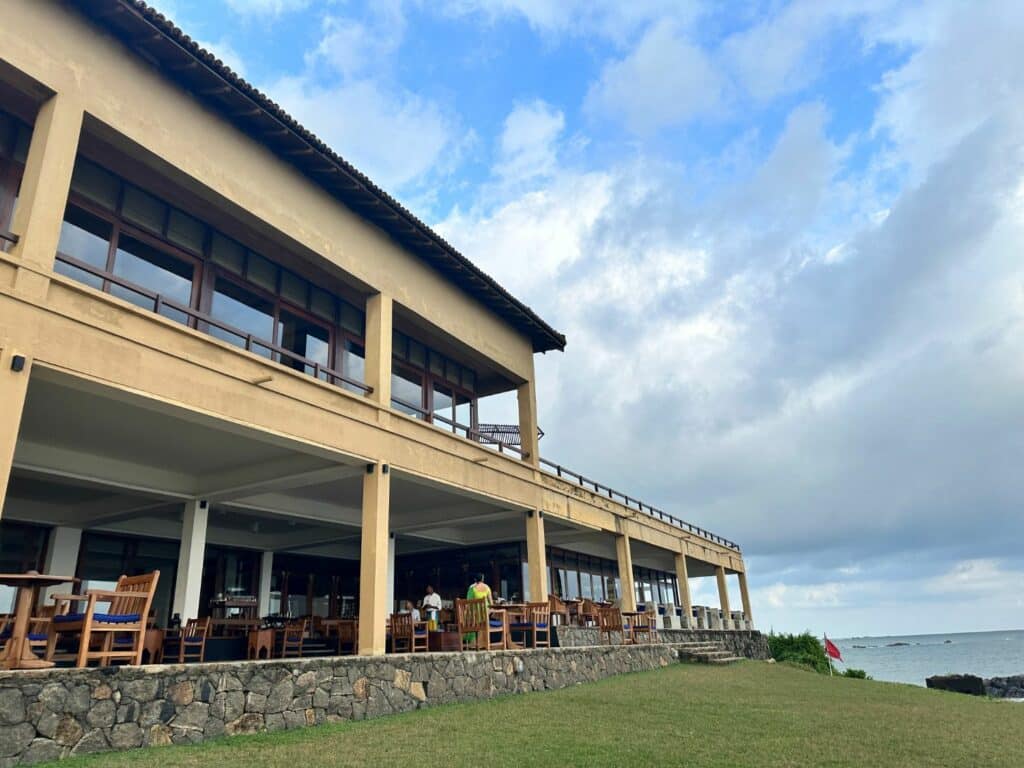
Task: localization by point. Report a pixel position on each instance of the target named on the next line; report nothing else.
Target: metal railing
(9, 237)
(632, 503)
(203, 322)
(459, 429)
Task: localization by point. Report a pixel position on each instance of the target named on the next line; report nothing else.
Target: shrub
(805, 650)
(859, 674)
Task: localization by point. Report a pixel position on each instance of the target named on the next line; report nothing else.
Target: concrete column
(683, 577)
(723, 592)
(13, 387)
(745, 597)
(373, 564)
(266, 574)
(44, 187)
(391, 574)
(378, 348)
(61, 558)
(625, 557)
(536, 558)
(527, 397)
(190, 559)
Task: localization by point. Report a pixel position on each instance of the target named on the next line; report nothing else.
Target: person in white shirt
(431, 605)
(410, 608)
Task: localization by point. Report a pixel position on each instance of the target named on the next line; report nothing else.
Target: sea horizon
(913, 658)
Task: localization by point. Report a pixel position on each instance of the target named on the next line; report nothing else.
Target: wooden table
(261, 644)
(444, 641)
(17, 654)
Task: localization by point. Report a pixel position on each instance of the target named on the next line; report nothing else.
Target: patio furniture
(408, 634)
(348, 636)
(535, 623)
(478, 625)
(609, 621)
(192, 645)
(292, 637)
(261, 644)
(559, 610)
(126, 615)
(444, 641)
(18, 653)
(642, 626)
(587, 613)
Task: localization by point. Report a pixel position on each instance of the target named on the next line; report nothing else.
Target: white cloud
(527, 146)
(269, 8)
(224, 51)
(664, 81)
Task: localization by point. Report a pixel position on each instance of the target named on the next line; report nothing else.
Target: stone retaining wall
(50, 714)
(749, 644)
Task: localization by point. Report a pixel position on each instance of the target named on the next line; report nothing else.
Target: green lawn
(747, 714)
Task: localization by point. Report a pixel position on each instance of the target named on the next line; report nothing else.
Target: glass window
(417, 354)
(307, 339)
(293, 289)
(262, 273)
(245, 311)
(400, 345)
(151, 268)
(463, 411)
(322, 304)
(436, 364)
(452, 371)
(586, 589)
(143, 209)
(86, 238)
(572, 584)
(227, 253)
(185, 231)
(408, 388)
(351, 319)
(91, 181)
(353, 364)
(443, 403)
(21, 143)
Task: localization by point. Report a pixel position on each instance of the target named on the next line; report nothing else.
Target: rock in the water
(971, 684)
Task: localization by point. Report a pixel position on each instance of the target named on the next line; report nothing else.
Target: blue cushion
(527, 625)
(32, 636)
(497, 624)
(421, 631)
(107, 618)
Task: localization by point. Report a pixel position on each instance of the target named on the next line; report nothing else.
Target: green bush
(859, 674)
(805, 650)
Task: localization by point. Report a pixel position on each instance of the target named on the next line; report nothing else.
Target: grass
(745, 714)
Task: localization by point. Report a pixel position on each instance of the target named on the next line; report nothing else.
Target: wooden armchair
(536, 623)
(609, 620)
(478, 629)
(348, 636)
(192, 644)
(407, 635)
(129, 605)
(587, 613)
(292, 637)
(643, 626)
(558, 608)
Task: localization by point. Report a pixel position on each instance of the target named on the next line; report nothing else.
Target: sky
(782, 238)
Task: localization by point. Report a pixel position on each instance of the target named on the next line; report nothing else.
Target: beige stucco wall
(122, 91)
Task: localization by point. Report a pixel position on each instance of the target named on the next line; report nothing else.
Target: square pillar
(391, 574)
(526, 394)
(723, 592)
(61, 558)
(683, 577)
(536, 558)
(373, 563)
(45, 185)
(190, 559)
(266, 575)
(625, 557)
(378, 348)
(13, 388)
(745, 597)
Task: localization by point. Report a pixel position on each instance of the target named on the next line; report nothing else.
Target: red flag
(832, 650)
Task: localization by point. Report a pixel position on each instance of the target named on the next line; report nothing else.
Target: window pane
(227, 253)
(293, 288)
(572, 587)
(186, 231)
(351, 319)
(417, 354)
(400, 345)
(322, 304)
(354, 365)
(443, 404)
(21, 143)
(262, 272)
(436, 364)
(452, 372)
(143, 209)
(463, 412)
(91, 181)
(468, 380)
(305, 338)
(408, 387)
(243, 310)
(151, 268)
(87, 238)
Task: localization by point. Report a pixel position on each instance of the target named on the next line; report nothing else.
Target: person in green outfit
(477, 590)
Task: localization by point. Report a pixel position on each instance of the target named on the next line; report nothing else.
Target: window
(245, 311)
(152, 268)
(307, 339)
(87, 238)
(407, 391)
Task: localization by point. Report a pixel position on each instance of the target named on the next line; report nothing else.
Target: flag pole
(827, 657)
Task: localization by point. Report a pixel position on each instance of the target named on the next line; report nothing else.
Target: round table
(17, 654)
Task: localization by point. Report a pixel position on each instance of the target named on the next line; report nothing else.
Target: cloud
(224, 51)
(664, 81)
(527, 143)
(266, 8)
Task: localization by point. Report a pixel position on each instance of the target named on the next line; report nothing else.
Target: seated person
(408, 607)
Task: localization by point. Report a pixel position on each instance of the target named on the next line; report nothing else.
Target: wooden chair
(192, 644)
(536, 624)
(292, 637)
(609, 620)
(129, 605)
(406, 634)
(559, 610)
(587, 613)
(643, 626)
(348, 636)
(477, 628)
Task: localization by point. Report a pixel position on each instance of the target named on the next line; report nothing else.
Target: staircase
(705, 653)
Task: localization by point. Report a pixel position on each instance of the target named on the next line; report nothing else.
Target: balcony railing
(203, 322)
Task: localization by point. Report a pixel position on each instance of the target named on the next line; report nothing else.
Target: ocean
(912, 658)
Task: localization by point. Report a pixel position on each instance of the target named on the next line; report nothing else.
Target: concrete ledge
(51, 714)
(749, 644)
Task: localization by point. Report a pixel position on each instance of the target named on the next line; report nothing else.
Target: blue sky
(781, 237)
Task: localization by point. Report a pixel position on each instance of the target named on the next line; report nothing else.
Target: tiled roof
(177, 56)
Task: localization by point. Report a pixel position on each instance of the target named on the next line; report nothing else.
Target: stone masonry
(749, 644)
(51, 714)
